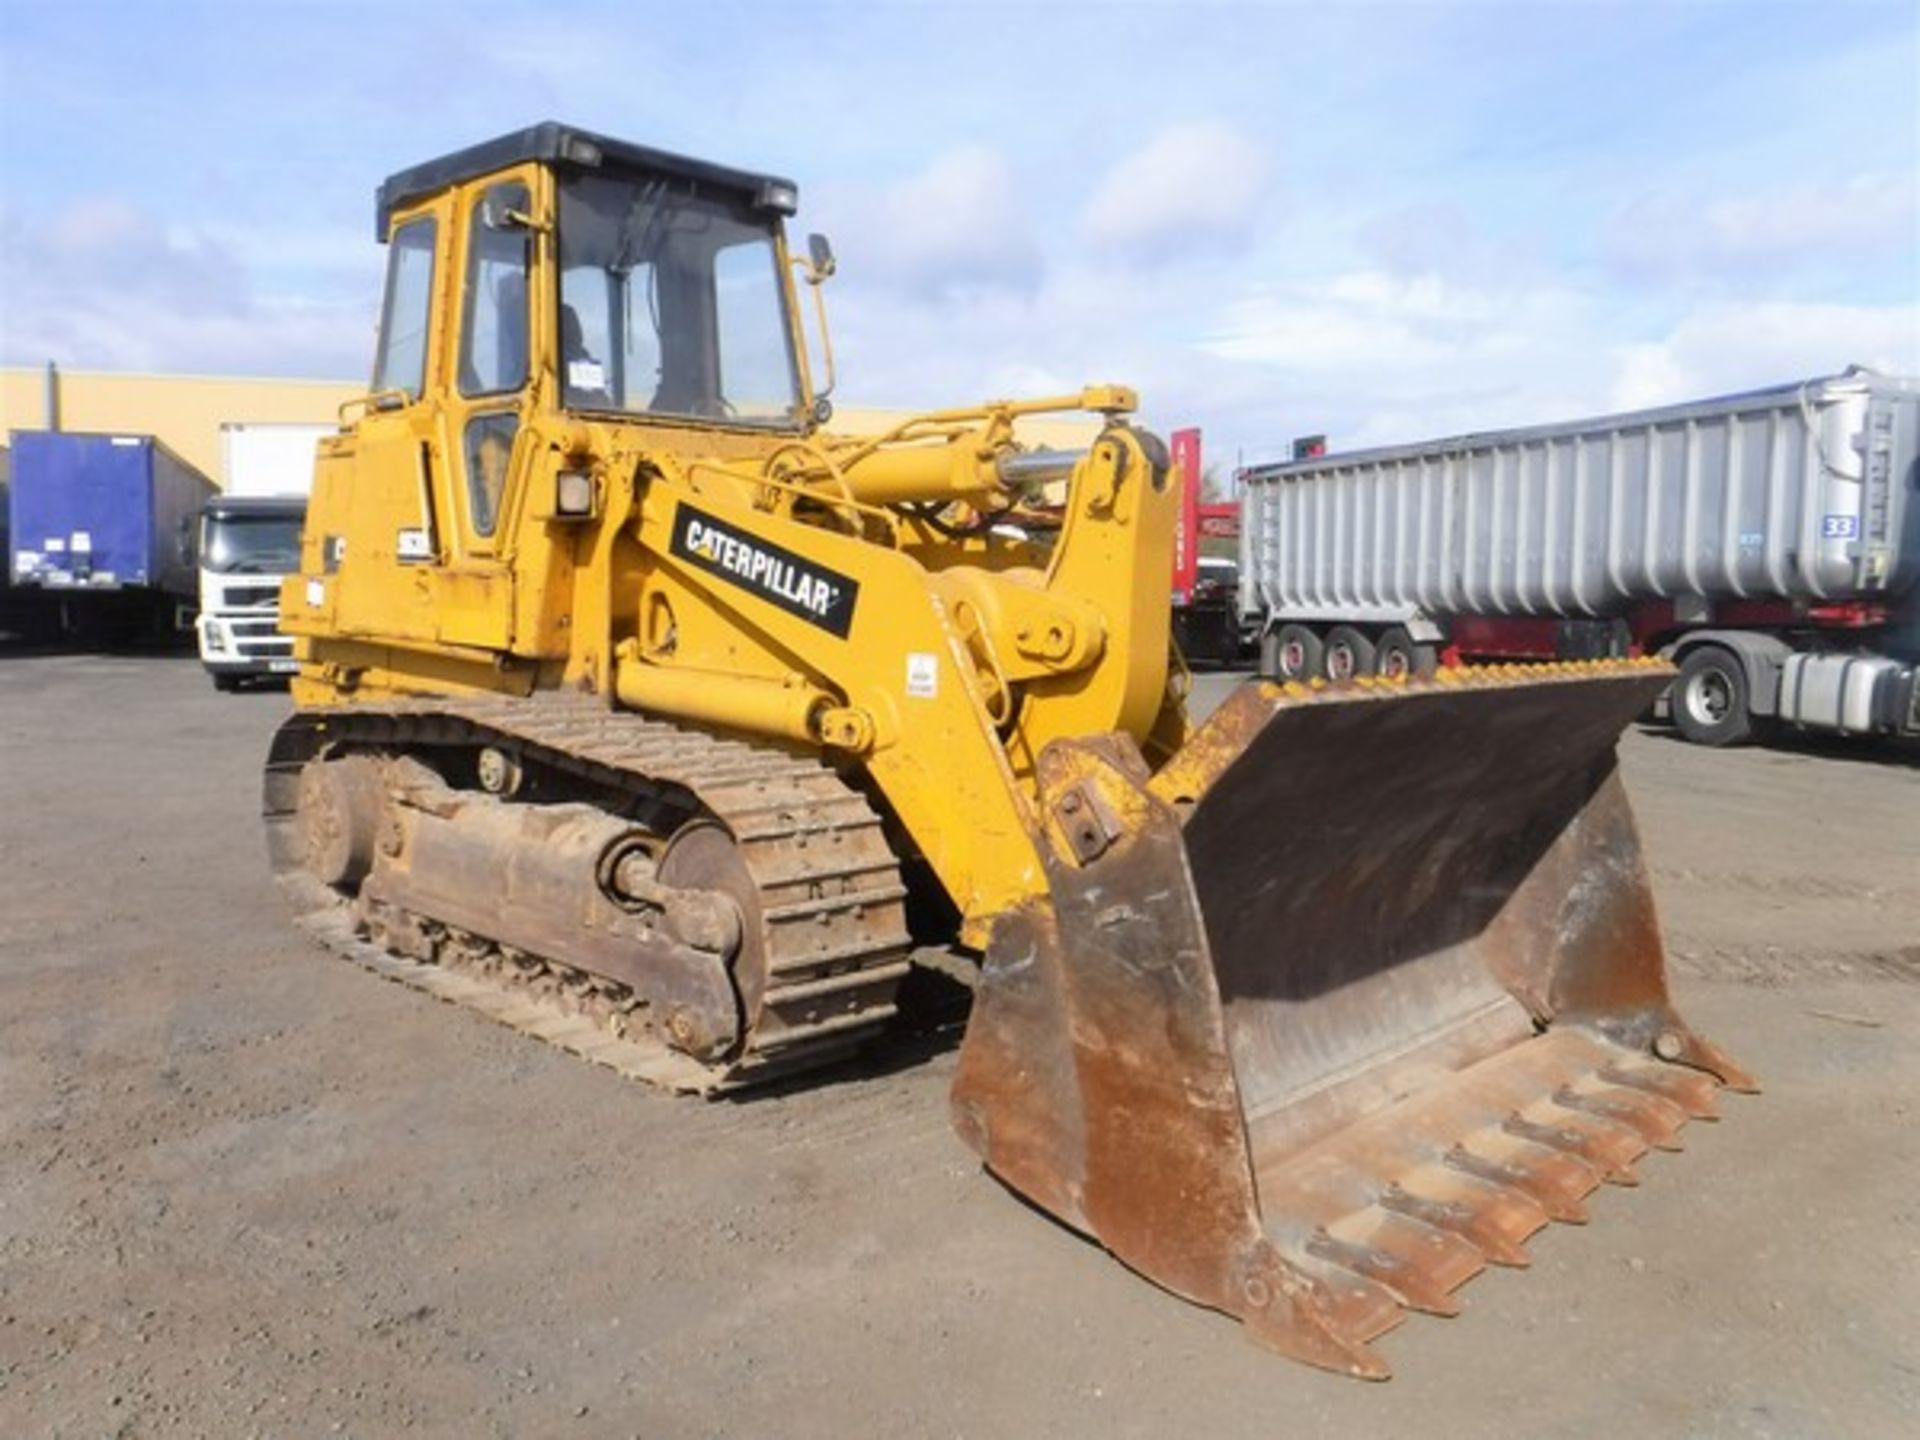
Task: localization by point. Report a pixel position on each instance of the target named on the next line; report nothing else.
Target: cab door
(482, 422)
(377, 495)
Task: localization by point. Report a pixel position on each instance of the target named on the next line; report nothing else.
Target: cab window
(401, 361)
(756, 361)
(489, 457)
(609, 346)
(493, 330)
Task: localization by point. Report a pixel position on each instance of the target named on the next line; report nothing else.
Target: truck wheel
(1293, 652)
(226, 684)
(1349, 653)
(1710, 698)
(1399, 656)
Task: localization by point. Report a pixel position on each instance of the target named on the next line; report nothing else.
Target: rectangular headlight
(573, 493)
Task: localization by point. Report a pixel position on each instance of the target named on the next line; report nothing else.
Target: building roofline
(76, 370)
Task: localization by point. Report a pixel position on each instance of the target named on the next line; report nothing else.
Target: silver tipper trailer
(1768, 542)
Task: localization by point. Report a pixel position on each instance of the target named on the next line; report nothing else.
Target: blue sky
(1386, 221)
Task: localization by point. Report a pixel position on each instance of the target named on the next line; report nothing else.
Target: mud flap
(1354, 995)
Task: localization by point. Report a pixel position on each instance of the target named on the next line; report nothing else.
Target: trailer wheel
(1710, 698)
(1293, 652)
(1349, 653)
(1399, 656)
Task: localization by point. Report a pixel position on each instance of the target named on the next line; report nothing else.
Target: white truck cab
(248, 543)
(249, 540)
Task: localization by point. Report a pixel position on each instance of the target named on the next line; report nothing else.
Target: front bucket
(1360, 990)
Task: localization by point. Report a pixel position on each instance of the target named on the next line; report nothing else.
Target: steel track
(830, 895)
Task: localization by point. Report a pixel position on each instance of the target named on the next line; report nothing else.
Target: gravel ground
(246, 1188)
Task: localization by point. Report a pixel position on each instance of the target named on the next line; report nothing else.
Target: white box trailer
(1769, 542)
(269, 458)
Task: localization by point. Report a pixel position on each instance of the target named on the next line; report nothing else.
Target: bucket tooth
(1610, 1146)
(1692, 1091)
(1420, 1265)
(1314, 1312)
(1658, 1119)
(1374, 1266)
(1557, 1182)
(1493, 1219)
(1357, 1308)
(1328, 1351)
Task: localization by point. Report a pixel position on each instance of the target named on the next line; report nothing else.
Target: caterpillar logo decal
(776, 575)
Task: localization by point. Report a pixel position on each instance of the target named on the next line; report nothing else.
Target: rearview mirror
(820, 257)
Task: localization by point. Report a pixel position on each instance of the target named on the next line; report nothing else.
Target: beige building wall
(184, 411)
(187, 411)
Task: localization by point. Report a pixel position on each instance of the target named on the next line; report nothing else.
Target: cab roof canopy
(551, 142)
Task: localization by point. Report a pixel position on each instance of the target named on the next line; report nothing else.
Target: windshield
(671, 303)
(250, 544)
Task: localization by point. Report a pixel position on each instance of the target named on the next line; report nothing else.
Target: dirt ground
(246, 1188)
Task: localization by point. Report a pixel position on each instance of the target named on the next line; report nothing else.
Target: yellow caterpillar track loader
(639, 711)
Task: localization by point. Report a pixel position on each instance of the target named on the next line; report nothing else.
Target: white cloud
(1372, 318)
(1725, 347)
(1375, 358)
(106, 284)
(1836, 222)
(959, 227)
(337, 255)
(1197, 188)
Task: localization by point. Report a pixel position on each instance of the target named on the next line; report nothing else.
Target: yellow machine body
(959, 662)
(506, 523)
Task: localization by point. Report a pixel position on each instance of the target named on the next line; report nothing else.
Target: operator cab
(673, 300)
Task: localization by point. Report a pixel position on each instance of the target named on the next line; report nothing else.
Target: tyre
(226, 684)
(1293, 652)
(1349, 653)
(1709, 701)
(1268, 665)
(1399, 656)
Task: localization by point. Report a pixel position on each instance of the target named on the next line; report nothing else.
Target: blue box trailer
(105, 524)
(103, 512)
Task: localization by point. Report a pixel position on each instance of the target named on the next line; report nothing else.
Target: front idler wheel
(339, 810)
